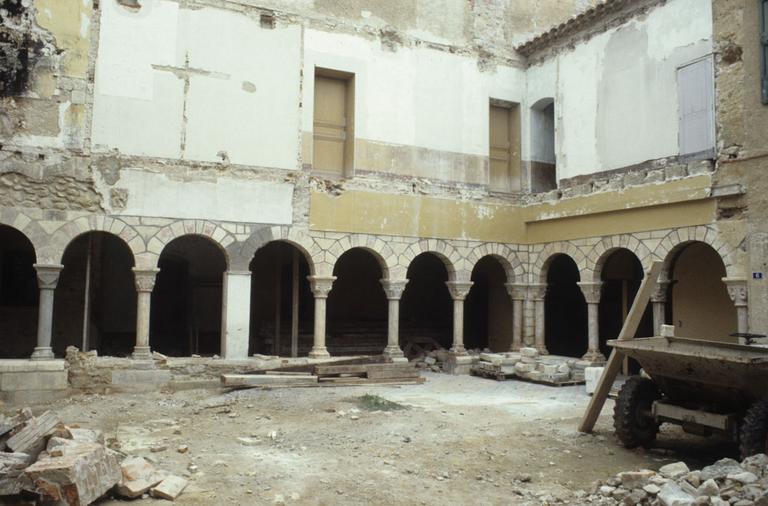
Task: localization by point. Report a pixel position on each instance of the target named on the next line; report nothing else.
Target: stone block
(675, 470)
(492, 358)
(529, 352)
(523, 368)
(80, 475)
(33, 380)
(592, 376)
(548, 369)
(654, 176)
(636, 479)
(138, 378)
(458, 364)
(676, 171)
(170, 488)
(700, 167)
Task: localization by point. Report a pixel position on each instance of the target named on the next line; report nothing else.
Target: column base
(542, 350)
(141, 353)
(458, 350)
(516, 347)
(319, 352)
(393, 351)
(594, 356)
(42, 353)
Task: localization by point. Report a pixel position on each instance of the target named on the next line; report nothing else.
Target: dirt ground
(461, 440)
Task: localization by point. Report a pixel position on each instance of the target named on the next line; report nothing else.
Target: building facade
(315, 177)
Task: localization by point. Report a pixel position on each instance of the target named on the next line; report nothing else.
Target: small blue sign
(757, 275)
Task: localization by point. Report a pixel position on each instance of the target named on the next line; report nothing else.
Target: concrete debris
(170, 488)
(45, 461)
(724, 482)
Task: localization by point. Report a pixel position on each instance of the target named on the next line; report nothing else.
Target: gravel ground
(460, 440)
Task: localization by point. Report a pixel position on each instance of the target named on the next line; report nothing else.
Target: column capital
(459, 289)
(321, 285)
(145, 279)
(591, 290)
(47, 275)
(394, 288)
(537, 291)
(516, 290)
(737, 290)
(659, 293)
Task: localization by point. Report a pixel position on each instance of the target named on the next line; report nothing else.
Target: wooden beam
(628, 331)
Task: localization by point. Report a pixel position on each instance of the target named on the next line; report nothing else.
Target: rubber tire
(636, 396)
(753, 435)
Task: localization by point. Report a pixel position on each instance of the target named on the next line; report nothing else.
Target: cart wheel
(753, 438)
(631, 416)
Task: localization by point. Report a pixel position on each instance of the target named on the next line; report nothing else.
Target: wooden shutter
(696, 93)
(764, 48)
(330, 124)
(500, 149)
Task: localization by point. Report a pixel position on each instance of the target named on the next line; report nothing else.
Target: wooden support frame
(628, 331)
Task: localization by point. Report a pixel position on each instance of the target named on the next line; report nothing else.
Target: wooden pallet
(496, 375)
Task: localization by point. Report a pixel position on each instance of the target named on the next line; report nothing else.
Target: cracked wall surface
(161, 118)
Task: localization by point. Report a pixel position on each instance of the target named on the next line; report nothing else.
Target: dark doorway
(187, 299)
(565, 309)
(426, 308)
(279, 283)
(488, 308)
(96, 286)
(18, 294)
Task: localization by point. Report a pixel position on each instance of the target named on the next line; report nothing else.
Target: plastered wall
(615, 94)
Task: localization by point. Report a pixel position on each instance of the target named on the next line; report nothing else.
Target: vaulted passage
(357, 306)
(700, 307)
(621, 276)
(18, 294)
(426, 309)
(282, 304)
(95, 300)
(565, 309)
(187, 299)
(488, 308)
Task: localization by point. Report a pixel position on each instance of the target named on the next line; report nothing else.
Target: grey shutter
(696, 94)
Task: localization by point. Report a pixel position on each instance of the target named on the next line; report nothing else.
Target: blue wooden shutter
(764, 47)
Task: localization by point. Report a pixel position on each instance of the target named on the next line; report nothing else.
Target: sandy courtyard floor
(461, 440)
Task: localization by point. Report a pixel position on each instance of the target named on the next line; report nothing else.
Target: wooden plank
(613, 366)
(236, 380)
(327, 370)
(31, 439)
(390, 373)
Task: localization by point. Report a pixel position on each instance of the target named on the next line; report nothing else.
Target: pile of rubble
(48, 462)
(529, 365)
(431, 360)
(724, 483)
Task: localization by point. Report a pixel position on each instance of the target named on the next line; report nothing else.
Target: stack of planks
(337, 373)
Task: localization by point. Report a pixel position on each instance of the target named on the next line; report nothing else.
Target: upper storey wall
(616, 94)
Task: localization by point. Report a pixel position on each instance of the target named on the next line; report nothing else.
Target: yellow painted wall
(678, 203)
(70, 25)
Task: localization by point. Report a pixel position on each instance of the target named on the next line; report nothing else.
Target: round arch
(18, 294)
(488, 309)
(565, 309)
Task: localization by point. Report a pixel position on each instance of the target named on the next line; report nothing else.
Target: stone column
(145, 282)
(47, 279)
(591, 293)
(659, 305)
(394, 291)
(517, 292)
(321, 287)
(537, 292)
(236, 314)
(459, 291)
(737, 291)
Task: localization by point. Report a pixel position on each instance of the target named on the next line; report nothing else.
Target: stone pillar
(321, 287)
(737, 291)
(236, 314)
(394, 291)
(145, 282)
(659, 305)
(517, 292)
(47, 279)
(459, 291)
(537, 292)
(591, 293)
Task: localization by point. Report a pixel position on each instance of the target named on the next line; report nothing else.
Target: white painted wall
(223, 198)
(615, 95)
(413, 96)
(242, 95)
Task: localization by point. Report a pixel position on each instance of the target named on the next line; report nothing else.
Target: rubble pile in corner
(46, 461)
(726, 482)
